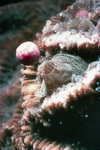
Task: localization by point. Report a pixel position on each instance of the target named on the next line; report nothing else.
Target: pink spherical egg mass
(28, 53)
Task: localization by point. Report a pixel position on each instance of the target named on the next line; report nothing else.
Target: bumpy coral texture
(72, 28)
(19, 22)
(60, 104)
(61, 92)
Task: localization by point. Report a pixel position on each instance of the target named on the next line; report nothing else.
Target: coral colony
(60, 86)
(19, 22)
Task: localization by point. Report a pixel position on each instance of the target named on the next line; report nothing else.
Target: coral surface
(19, 22)
(60, 104)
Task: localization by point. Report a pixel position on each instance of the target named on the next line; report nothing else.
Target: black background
(5, 2)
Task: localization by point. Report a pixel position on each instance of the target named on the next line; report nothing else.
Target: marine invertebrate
(68, 113)
(61, 109)
(61, 92)
(19, 22)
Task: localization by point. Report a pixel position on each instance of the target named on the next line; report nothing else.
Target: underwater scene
(50, 75)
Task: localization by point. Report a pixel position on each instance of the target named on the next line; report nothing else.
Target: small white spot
(78, 142)
(98, 89)
(49, 120)
(73, 144)
(38, 130)
(60, 122)
(61, 14)
(86, 116)
(71, 107)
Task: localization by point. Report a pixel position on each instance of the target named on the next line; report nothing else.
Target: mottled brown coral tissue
(50, 75)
